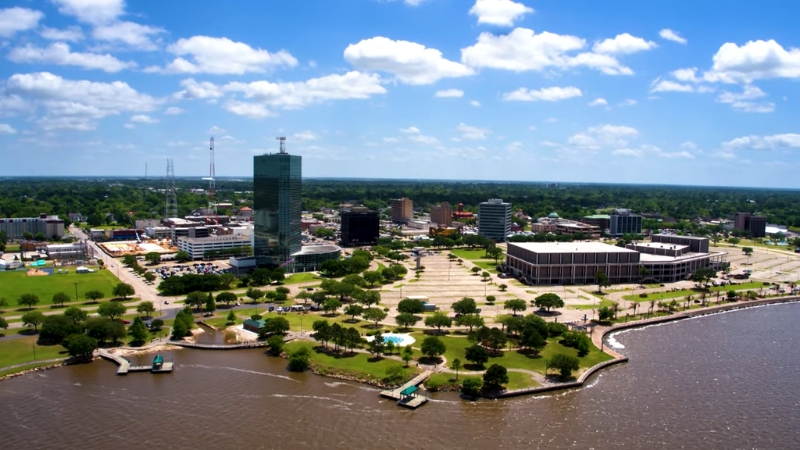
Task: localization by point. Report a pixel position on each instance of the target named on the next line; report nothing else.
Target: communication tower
(283, 144)
(171, 208)
(212, 204)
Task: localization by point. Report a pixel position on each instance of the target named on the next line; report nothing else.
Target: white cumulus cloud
(133, 34)
(523, 50)
(623, 44)
(670, 35)
(754, 60)
(410, 62)
(499, 12)
(16, 19)
(742, 100)
(174, 111)
(206, 54)
(7, 129)
(60, 54)
(551, 94)
(71, 34)
(598, 102)
(447, 93)
(92, 11)
(305, 136)
(143, 118)
(754, 142)
(475, 103)
(472, 133)
(77, 104)
(410, 130)
(247, 109)
(594, 138)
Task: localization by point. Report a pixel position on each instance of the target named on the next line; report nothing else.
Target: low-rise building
(198, 247)
(75, 251)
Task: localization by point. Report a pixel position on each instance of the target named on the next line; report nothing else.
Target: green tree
(377, 344)
(231, 317)
(733, 241)
(153, 258)
(254, 294)
(156, 325)
(475, 270)
(438, 320)
(395, 374)
(182, 256)
(93, 295)
(465, 306)
(495, 377)
(138, 331)
(123, 290)
(516, 305)
(275, 345)
(496, 339)
(147, 308)
(369, 298)
(80, 346)
(211, 305)
(75, 314)
(57, 327)
(485, 276)
(406, 320)
(433, 347)
(411, 306)
(374, 315)
(226, 297)
(408, 354)
(565, 364)
(29, 300)
(322, 331)
(196, 299)
(149, 277)
(33, 319)
(605, 314)
(373, 277)
(59, 298)
(274, 325)
(111, 310)
(353, 310)
(602, 280)
(299, 359)
(456, 365)
(469, 320)
(477, 355)
(179, 330)
(331, 305)
(548, 301)
(471, 387)
(502, 287)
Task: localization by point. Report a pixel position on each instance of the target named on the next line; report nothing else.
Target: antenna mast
(283, 144)
(171, 207)
(212, 204)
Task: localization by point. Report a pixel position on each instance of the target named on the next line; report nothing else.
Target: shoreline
(328, 372)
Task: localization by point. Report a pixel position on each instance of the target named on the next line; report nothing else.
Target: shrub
(299, 359)
(642, 295)
(556, 329)
(471, 387)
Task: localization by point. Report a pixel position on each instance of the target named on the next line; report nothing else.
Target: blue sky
(679, 92)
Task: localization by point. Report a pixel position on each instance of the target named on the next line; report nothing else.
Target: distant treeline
(94, 197)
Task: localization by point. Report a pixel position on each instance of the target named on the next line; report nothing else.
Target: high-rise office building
(622, 222)
(277, 180)
(360, 226)
(442, 214)
(494, 219)
(402, 210)
(756, 225)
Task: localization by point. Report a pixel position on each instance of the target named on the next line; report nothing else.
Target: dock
(159, 365)
(408, 394)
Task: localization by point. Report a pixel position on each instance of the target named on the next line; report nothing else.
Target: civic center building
(667, 259)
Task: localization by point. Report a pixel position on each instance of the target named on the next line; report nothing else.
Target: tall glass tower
(277, 187)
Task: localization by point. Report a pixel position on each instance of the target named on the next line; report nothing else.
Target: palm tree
(615, 308)
(652, 305)
(633, 306)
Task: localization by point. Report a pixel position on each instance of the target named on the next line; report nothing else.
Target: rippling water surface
(723, 381)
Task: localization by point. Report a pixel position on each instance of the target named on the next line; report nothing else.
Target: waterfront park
(477, 329)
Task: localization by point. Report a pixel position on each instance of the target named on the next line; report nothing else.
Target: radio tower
(171, 208)
(212, 204)
(283, 144)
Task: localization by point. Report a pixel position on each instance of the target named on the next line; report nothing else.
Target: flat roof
(317, 249)
(662, 245)
(570, 247)
(682, 237)
(598, 216)
(221, 238)
(648, 258)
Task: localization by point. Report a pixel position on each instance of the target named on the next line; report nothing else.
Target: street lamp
(76, 291)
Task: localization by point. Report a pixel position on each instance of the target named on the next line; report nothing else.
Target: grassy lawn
(439, 381)
(17, 283)
(470, 254)
(358, 362)
(20, 369)
(753, 285)
(518, 380)
(590, 306)
(18, 351)
(304, 277)
(456, 348)
(488, 265)
(12, 248)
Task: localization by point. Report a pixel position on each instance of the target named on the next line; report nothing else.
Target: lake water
(722, 381)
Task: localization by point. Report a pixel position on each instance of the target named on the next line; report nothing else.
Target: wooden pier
(408, 394)
(125, 366)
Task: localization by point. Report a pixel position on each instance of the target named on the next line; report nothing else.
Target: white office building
(494, 219)
(197, 247)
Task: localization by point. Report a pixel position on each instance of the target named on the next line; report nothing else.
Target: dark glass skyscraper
(277, 181)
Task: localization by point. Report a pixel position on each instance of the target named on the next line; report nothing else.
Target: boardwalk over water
(252, 344)
(125, 366)
(413, 402)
